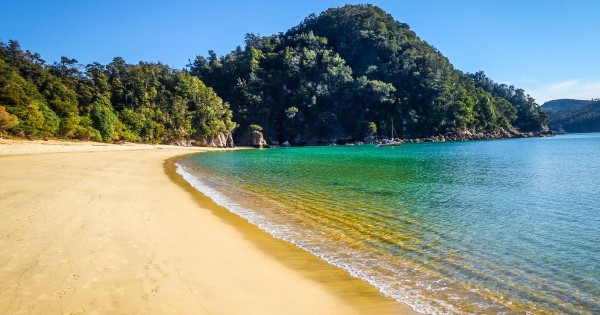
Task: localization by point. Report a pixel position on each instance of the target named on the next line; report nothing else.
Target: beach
(97, 228)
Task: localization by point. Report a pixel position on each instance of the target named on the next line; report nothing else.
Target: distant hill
(563, 104)
(573, 115)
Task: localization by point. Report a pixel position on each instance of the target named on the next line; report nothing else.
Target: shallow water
(465, 227)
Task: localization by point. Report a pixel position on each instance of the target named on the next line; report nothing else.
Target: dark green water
(507, 226)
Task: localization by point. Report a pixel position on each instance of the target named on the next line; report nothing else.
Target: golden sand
(112, 229)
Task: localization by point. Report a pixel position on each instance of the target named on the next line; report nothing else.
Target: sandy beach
(94, 228)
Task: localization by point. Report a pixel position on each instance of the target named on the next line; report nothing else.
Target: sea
(478, 227)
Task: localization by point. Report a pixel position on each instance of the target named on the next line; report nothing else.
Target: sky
(550, 48)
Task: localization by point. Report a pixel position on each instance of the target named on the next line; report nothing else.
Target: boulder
(254, 138)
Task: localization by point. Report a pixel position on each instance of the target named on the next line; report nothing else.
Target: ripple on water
(476, 227)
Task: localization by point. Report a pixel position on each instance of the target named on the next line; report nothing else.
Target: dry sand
(112, 229)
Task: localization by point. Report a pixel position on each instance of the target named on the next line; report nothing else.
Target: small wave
(219, 198)
(385, 284)
(434, 230)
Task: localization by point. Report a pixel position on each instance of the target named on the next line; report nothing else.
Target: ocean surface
(505, 226)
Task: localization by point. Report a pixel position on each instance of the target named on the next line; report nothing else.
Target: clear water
(507, 226)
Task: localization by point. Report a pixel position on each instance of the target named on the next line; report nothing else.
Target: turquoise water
(507, 226)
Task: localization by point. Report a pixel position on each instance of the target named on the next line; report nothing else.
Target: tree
(354, 64)
(7, 120)
(22, 99)
(528, 115)
(104, 119)
(145, 102)
(364, 129)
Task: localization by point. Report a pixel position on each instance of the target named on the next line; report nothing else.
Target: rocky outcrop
(369, 139)
(182, 142)
(467, 135)
(254, 138)
(221, 140)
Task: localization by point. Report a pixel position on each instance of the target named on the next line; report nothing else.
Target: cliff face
(221, 140)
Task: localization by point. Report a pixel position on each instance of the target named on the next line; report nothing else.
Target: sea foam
(446, 228)
(358, 264)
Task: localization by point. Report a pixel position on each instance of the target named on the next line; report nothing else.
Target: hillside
(147, 102)
(563, 104)
(347, 73)
(574, 115)
(343, 75)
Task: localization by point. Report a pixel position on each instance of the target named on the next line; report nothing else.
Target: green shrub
(7, 120)
(364, 129)
(254, 127)
(104, 120)
(87, 134)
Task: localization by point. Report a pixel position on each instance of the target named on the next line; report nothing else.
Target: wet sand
(112, 229)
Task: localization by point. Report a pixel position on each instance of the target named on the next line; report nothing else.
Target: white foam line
(286, 233)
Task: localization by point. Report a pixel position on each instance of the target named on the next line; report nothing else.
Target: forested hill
(347, 73)
(563, 104)
(574, 115)
(343, 75)
(142, 103)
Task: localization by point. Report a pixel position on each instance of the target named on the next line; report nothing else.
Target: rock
(254, 138)
(285, 144)
(369, 139)
(221, 140)
(229, 141)
(258, 140)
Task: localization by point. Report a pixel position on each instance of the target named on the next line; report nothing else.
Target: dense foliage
(574, 115)
(146, 102)
(529, 116)
(355, 67)
(345, 74)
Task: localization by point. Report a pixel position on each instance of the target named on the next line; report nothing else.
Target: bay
(504, 226)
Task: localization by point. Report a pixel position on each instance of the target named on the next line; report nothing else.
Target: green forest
(343, 75)
(571, 115)
(147, 102)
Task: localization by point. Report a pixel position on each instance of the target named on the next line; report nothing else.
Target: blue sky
(549, 48)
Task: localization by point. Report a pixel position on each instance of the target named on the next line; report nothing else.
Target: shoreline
(96, 232)
(362, 296)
